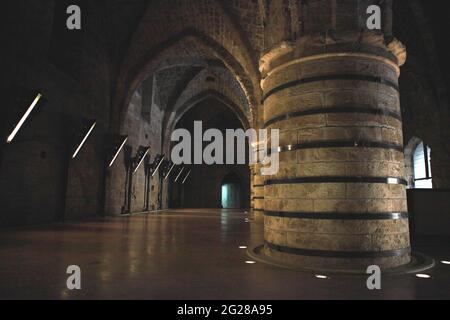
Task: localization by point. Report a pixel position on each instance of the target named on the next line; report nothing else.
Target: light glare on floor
(319, 276)
(445, 262)
(250, 262)
(423, 276)
(242, 247)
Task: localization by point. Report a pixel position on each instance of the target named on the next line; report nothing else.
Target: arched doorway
(203, 188)
(231, 192)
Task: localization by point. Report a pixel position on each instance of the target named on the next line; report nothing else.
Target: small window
(422, 167)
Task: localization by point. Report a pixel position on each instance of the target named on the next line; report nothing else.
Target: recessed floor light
(242, 247)
(445, 262)
(319, 276)
(250, 262)
(423, 276)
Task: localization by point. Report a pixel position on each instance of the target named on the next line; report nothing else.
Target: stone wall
(41, 182)
(140, 132)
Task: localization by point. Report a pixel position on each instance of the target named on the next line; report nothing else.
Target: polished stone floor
(183, 254)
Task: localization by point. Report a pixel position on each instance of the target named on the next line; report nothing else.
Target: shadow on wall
(426, 219)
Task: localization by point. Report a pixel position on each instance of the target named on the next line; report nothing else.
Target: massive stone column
(252, 175)
(258, 183)
(339, 199)
(258, 194)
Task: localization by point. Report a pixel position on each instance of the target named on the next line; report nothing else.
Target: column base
(409, 263)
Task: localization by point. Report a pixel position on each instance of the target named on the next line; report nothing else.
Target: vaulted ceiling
(182, 43)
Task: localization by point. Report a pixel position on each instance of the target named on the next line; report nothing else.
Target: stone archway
(136, 69)
(203, 188)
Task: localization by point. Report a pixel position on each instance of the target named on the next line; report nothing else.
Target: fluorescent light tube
(84, 140)
(118, 151)
(170, 170)
(179, 174)
(157, 167)
(187, 176)
(23, 119)
(142, 160)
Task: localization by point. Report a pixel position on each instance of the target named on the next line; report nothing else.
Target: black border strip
(338, 216)
(258, 198)
(334, 110)
(254, 209)
(356, 77)
(339, 254)
(343, 179)
(339, 144)
(259, 185)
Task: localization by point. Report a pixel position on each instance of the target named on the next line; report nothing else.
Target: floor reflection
(182, 254)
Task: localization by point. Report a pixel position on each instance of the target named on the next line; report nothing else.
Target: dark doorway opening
(203, 188)
(231, 192)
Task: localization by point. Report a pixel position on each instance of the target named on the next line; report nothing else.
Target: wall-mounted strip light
(143, 155)
(23, 119)
(392, 181)
(170, 171)
(423, 276)
(86, 136)
(158, 165)
(187, 176)
(179, 174)
(125, 139)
